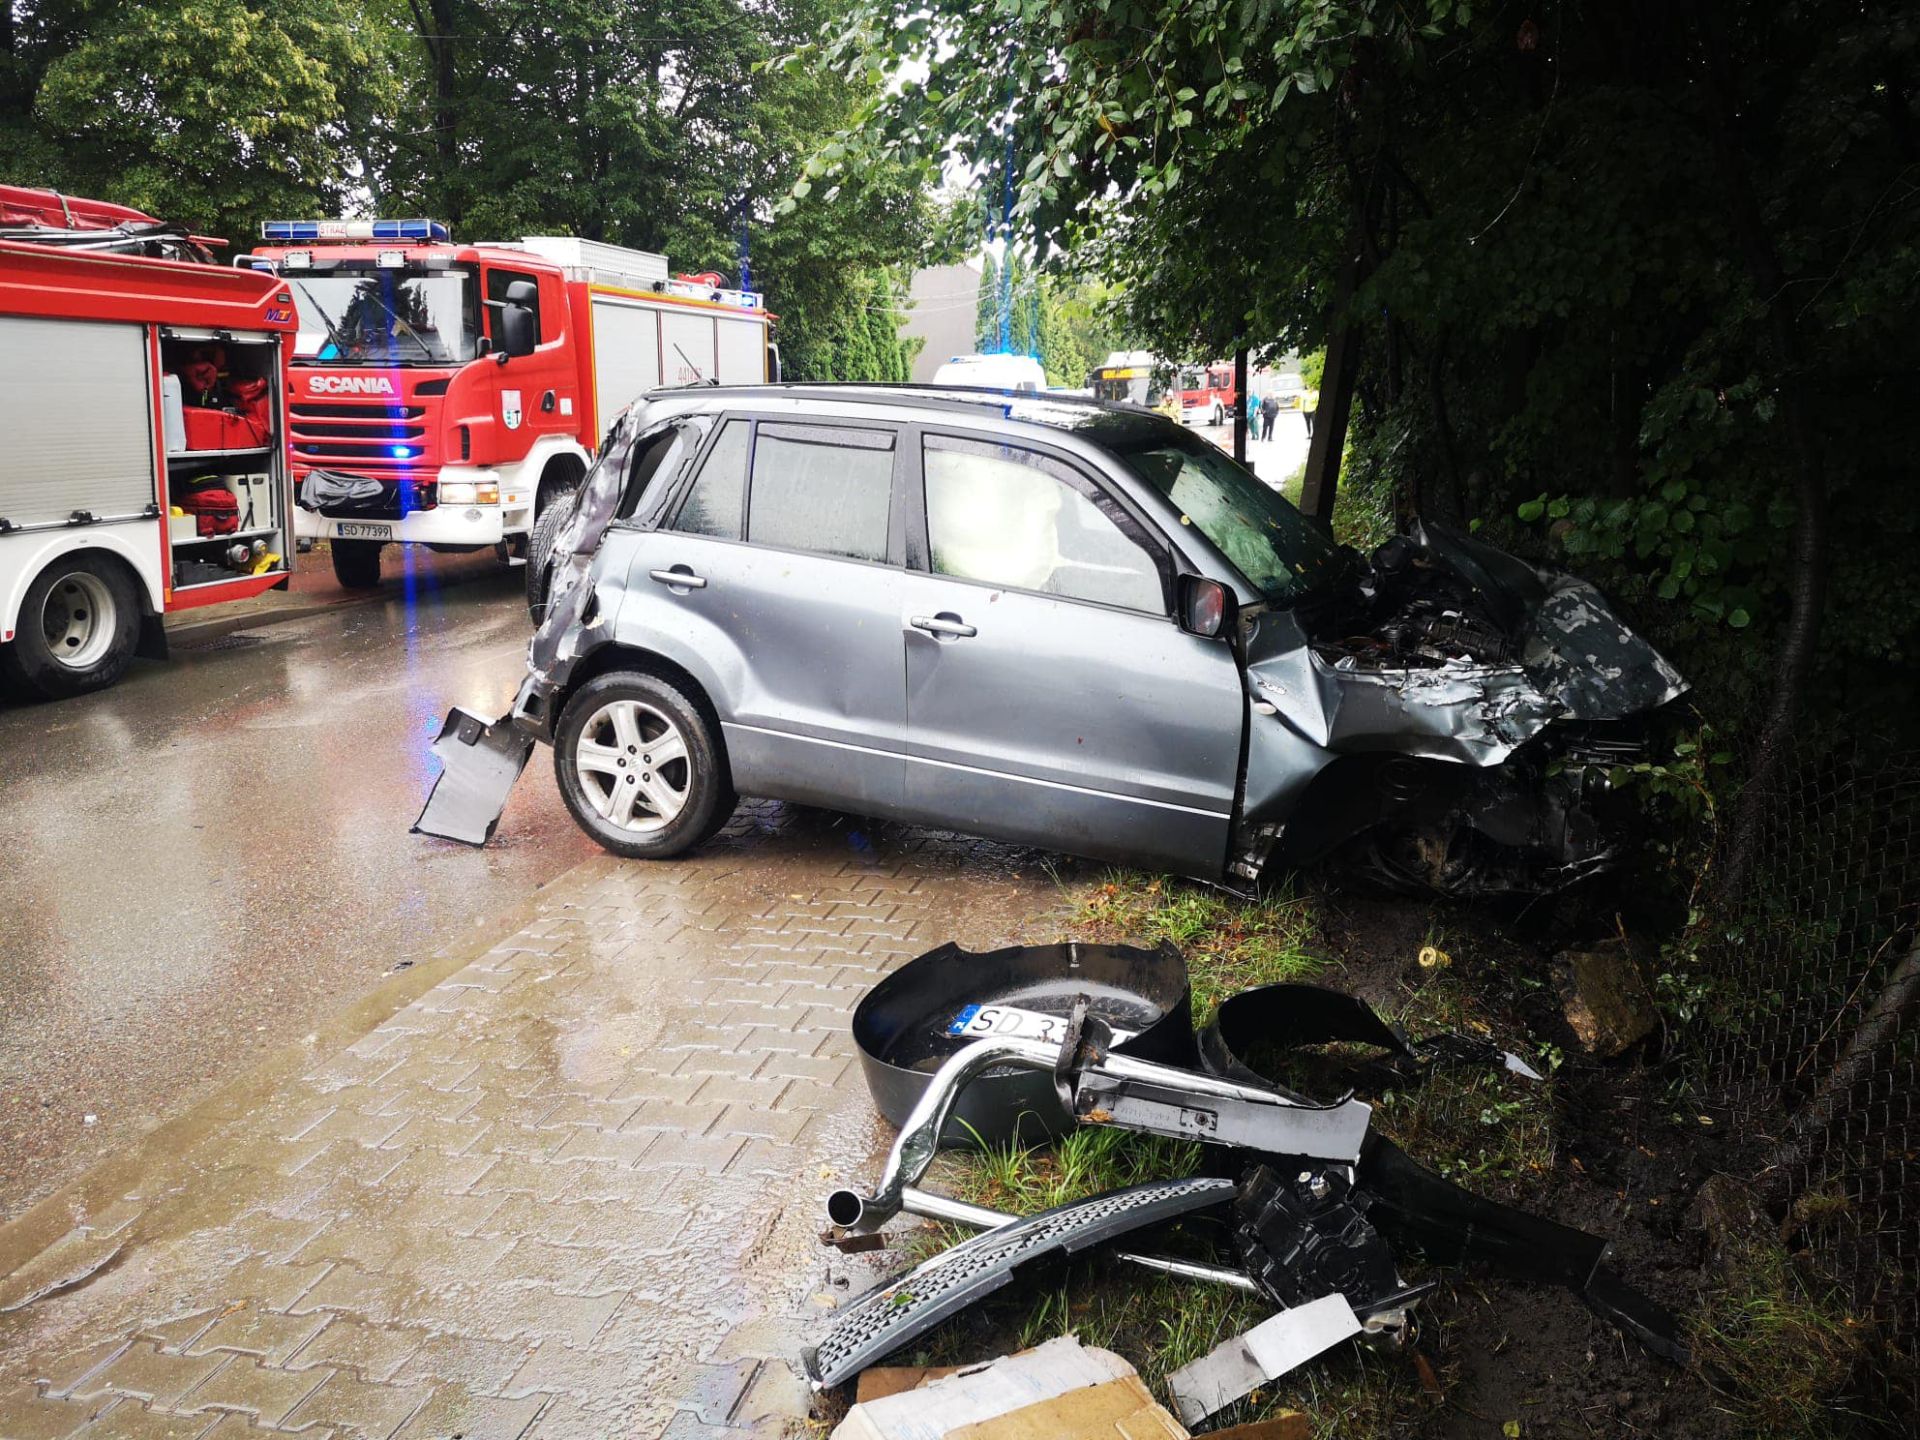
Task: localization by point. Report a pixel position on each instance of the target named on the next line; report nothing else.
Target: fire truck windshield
(385, 317)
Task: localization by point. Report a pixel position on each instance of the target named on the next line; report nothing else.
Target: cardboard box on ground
(1061, 1390)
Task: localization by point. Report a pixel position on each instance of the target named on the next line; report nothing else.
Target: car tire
(546, 529)
(356, 563)
(79, 623)
(631, 803)
(1219, 416)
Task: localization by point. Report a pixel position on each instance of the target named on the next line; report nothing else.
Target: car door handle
(680, 577)
(943, 625)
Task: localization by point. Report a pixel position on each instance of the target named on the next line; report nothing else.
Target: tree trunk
(435, 25)
(1445, 503)
(1342, 373)
(446, 138)
(1868, 1048)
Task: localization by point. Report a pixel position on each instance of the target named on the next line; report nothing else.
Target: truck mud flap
(479, 761)
(883, 1320)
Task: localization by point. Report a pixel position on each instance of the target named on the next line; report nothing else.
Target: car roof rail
(966, 399)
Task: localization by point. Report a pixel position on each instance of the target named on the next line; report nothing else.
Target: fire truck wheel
(640, 766)
(356, 563)
(546, 529)
(79, 622)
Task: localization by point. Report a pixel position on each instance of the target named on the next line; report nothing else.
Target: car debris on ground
(1314, 1203)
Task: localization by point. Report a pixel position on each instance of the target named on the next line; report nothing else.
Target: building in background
(945, 300)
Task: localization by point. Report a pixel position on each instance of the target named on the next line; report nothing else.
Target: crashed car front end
(1447, 722)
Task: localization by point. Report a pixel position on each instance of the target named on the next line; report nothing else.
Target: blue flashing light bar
(307, 232)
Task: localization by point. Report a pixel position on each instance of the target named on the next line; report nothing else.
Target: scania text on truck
(142, 459)
(447, 394)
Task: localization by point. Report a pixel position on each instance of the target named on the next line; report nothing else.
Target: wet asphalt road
(204, 862)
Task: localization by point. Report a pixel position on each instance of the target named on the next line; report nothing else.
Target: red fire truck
(142, 465)
(445, 394)
(1207, 396)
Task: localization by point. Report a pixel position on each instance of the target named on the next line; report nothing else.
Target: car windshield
(384, 317)
(1279, 551)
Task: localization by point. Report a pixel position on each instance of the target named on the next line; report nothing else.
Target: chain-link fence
(1806, 1045)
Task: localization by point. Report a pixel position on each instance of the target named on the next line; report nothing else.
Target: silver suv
(1069, 624)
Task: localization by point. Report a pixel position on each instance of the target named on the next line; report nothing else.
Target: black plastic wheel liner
(1289, 1015)
(900, 1026)
(883, 1320)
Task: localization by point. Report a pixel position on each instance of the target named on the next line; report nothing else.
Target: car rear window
(822, 488)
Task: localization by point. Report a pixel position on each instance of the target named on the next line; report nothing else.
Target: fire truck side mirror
(517, 333)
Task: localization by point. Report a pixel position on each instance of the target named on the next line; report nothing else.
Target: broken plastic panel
(1410, 1205)
(1234, 1370)
(1269, 1019)
(481, 759)
(479, 762)
(884, 1319)
(904, 1027)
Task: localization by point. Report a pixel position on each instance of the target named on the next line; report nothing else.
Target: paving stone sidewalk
(571, 1190)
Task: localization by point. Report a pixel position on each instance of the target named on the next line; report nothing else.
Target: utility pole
(1240, 405)
(1006, 246)
(746, 264)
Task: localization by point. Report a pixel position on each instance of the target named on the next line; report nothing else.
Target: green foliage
(214, 113)
(659, 127)
(1559, 230)
(1313, 368)
(1230, 944)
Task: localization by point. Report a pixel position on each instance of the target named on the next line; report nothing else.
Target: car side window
(717, 502)
(1013, 517)
(826, 489)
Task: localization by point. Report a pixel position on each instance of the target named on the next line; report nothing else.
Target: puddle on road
(591, 1164)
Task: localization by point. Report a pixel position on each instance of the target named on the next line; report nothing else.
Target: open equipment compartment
(228, 506)
(91, 561)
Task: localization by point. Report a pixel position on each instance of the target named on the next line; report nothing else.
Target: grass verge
(1787, 1358)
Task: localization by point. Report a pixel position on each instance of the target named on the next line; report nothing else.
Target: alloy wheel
(633, 766)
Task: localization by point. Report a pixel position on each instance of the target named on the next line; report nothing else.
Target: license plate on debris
(361, 530)
(978, 1021)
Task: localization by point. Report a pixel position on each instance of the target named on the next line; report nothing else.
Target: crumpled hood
(1542, 646)
(1572, 646)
